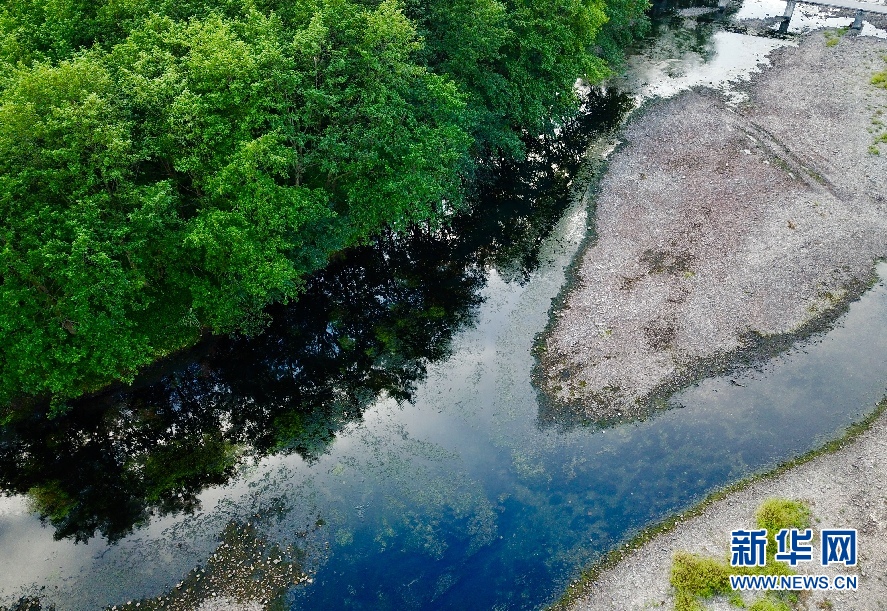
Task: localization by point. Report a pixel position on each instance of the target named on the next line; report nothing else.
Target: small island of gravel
(722, 228)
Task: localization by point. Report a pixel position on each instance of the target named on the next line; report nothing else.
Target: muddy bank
(844, 489)
(722, 229)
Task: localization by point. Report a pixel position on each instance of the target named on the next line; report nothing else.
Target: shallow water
(388, 429)
(807, 17)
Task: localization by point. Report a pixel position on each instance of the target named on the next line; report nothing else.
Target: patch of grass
(776, 514)
(833, 37)
(816, 176)
(879, 80)
(770, 603)
(695, 578)
(781, 163)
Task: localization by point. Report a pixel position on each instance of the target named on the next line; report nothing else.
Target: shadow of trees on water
(365, 327)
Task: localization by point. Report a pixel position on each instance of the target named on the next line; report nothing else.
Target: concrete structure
(860, 7)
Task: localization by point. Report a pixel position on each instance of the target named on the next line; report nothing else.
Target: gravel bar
(723, 228)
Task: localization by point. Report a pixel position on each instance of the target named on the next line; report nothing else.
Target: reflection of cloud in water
(280, 415)
(31, 555)
(731, 57)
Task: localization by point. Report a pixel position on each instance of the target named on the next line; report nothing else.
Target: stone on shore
(719, 228)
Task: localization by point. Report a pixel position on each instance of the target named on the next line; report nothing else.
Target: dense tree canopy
(171, 168)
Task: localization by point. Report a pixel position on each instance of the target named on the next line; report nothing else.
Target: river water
(384, 436)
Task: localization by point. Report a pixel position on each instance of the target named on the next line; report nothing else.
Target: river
(382, 445)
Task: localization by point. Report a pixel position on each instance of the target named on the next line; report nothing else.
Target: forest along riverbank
(381, 446)
(724, 228)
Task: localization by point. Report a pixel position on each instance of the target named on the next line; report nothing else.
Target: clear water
(385, 431)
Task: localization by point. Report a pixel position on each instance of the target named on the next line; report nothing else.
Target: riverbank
(844, 486)
(725, 231)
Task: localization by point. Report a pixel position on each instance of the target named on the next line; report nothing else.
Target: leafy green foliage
(517, 60)
(625, 23)
(169, 169)
(695, 577)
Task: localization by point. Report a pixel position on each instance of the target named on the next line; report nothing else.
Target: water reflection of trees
(368, 325)
(676, 33)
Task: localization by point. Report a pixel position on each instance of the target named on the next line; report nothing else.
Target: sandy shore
(845, 489)
(725, 232)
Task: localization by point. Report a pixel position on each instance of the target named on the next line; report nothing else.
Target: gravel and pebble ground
(845, 489)
(718, 224)
(720, 227)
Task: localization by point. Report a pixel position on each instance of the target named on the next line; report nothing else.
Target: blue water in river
(386, 432)
(489, 511)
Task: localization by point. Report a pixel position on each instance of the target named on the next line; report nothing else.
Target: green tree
(170, 169)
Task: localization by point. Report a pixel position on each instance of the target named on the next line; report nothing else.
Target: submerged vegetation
(168, 170)
(609, 560)
(245, 568)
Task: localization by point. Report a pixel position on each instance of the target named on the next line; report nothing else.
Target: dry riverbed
(724, 231)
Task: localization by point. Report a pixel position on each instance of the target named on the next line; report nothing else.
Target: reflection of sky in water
(551, 499)
(461, 500)
(727, 58)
